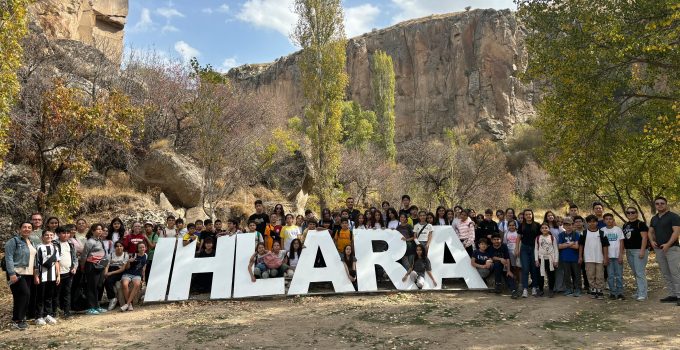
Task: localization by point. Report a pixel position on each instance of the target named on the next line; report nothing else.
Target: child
(293, 257)
(181, 230)
(421, 266)
(275, 261)
(350, 263)
(202, 282)
(423, 230)
(256, 267)
(272, 232)
(615, 237)
(511, 238)
(190, 236)
(547, 258)
(568, 245)
(68, 264)
(501, 266)
(343, 237)
(579, 227)
(406, 231)
(134, 272)
(481, 259)
(289, 232)
(46, 277)
(594, 251)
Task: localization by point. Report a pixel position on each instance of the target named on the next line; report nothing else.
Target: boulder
(174, 174)
(193, 214)
(164, 203)
(93, 179)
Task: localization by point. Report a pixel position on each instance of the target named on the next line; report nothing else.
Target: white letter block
(186, 264)
(462, 268)
(388, 260)
(243, 286)
(159, 275)
(305, 272)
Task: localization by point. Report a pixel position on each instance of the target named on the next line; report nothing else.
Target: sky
(229, 33)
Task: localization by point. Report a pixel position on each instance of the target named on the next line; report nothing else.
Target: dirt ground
(416, 320)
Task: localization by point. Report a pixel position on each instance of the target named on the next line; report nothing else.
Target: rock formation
(99, 23)
(450, 69)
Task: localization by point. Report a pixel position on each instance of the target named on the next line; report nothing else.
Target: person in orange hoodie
(343, 237)
(272, 232)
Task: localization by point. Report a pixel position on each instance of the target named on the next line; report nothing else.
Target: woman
(93, 262)
(361, 222)
(116, 230)
(528, 231)
(293, 257)
(280, 214)
(440, 216)
(635, 242)
(52, 224)
(350, 263)
(392, 219)
(451, 217)
(114, 272)
(19, 258)
(377, 221)
(134, 273)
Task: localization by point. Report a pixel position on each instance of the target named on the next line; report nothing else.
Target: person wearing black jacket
(528, 231)
(487, 227)
(68, 265)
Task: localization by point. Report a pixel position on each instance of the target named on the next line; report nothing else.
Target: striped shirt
(44, 253)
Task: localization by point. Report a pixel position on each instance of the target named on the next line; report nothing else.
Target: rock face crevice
(99, 23)
(452, 69)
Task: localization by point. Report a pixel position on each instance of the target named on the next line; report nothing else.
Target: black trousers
(77, 295)
(30, 311)
(110, 282)
(92, 277)
(43, 301)
(63, 295)
(551, 276)
(21, 293)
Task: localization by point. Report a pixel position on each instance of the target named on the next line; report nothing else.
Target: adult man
(36, 222)
(663, 235)
(353, 213)
(598, 210)
(260, 217)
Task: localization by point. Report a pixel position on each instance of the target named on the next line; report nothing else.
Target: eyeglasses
(631, 212)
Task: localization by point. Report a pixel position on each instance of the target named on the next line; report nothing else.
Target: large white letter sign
(243, 286)
(305, 272)
(388, 260)
(221, 266)
(159, 275)
(445, 236)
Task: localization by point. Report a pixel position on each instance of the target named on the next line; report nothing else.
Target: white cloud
(224, 8)
(145, 22)
(409, 9)
(360, 19)
(207, 10)
(272, 14)
(186, 51)
(228, 64)
(169, 12)
(169, 28)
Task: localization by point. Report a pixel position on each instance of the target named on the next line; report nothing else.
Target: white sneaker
(640, 298)
(534, 291)
(124, 307)
(112, 303)
(40, 322)
(525, 293)
(130, 308)
(49, 319)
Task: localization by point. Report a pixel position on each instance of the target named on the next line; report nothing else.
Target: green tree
(13, 20)
(357, 126)
(320, 33)
(610, 114)
(383, 100)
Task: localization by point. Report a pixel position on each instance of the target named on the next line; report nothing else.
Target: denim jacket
(16, 254)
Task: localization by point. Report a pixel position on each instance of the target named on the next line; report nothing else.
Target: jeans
(637, 266)
(21, 293)
(526, 256)
(615, 276)
(500, 275)
(669, 264)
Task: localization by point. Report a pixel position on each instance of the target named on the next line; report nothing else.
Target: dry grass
(100, 200)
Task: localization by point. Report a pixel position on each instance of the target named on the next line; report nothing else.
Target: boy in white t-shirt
(593, 251)
(615, 237)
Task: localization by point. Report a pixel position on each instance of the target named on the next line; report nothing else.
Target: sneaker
(568, 293)
(550, 294)
(534, 291)
(40, 322)
(621, 297)
(640, 298)
(92, 311)
(593, 295)
(22, 325)
(101, 310)
(49, 319)
(525, 293)
(515, 294)
(669, 299)
(130, 308)
(612, 297)
(540, 293)
(112, 303)
(600, 296)
(577, 293)
(124, 307)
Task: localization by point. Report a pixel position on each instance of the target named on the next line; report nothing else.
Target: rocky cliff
(99, 23)
(450, 69)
